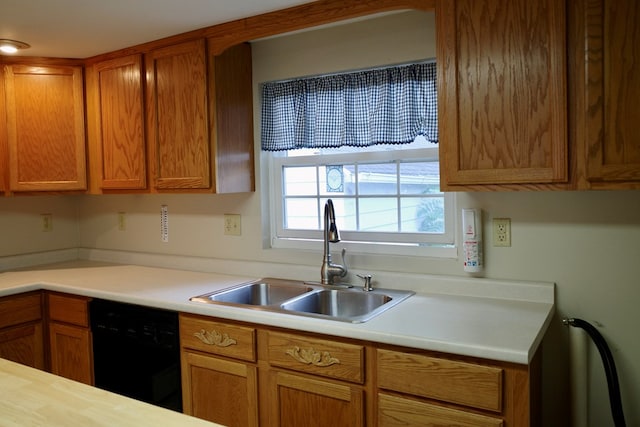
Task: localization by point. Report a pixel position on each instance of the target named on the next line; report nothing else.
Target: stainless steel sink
(259, 293)
(349, 305)
(303, 299)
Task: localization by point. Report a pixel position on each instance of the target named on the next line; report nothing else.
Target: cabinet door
(303, 401)
(4, 153)
(612, 91)
(45, 127)
(501, 93)
(23, 344)
(219, 390)
(120, 123)
(177, 117)
(71, 352)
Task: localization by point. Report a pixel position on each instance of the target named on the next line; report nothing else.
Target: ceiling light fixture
(12, 46)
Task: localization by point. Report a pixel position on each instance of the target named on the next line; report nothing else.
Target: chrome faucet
(330, 270)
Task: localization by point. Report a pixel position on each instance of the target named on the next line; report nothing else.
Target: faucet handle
(344, 262)
(367, 282)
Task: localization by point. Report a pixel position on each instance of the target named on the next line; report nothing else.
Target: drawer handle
(312, 357)
(215, 338)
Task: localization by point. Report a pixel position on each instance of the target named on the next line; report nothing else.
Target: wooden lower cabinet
(431, 389)
(70, 337)
(240, 374)
(219, 374)
(21, 336)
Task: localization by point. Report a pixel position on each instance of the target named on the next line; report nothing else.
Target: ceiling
(84, 28)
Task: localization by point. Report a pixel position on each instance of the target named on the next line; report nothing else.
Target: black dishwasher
(136, 352)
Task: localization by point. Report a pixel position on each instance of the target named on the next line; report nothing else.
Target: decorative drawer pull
(312, 357)
(215, 338)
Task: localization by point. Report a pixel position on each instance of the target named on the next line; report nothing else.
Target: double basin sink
(340, 302)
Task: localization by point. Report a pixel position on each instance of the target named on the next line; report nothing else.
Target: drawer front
(317, 356)
(452, 381)
(70, 309)
(17, 309)
(394, 411)
(204, 334)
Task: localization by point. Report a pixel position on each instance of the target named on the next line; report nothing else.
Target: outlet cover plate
(232, 226)
(502, 232)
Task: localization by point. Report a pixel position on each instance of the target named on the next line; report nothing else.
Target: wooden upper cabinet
(177, 117)
(501, 92)
(4, 154)
(45, 127)
(612, 89)
(118, 111)
(232, 119)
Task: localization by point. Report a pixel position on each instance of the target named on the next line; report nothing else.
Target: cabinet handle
(312, 357)
(215, 338)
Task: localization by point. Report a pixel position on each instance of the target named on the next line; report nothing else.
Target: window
(366, 140)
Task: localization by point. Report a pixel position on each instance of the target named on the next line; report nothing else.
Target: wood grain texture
(177, 117)
(502, 92)
(232, 119)
(18, 309)
(70, 309)
(302, 401)
(71, 352)
(394, 411)
(23, 344)
(36, 398)
(4, 149)
(203, 375)
(350, 357)
(451, 381)
(45, 116)
(244, 337)
(120, 123)
(612, 47)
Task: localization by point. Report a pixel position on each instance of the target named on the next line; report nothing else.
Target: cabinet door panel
(120, 123)
(71, 352)
(502, 96)
(302, 401)
(45, 117)
(613, 90)
(219, 390)
(178, 117)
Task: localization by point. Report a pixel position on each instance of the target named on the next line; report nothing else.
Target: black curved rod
(609, 368)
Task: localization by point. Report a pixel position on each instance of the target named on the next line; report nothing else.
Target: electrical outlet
(122, 221)
(47, 222)
(232, 224)
(502, 232)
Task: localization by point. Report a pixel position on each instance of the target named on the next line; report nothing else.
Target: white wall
(21, 224)
(585, 242)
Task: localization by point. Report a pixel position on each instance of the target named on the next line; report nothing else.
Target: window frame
(443, 246)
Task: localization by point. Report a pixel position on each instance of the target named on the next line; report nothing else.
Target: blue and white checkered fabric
(383, 106)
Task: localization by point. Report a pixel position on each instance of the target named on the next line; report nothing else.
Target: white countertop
(31, 397)
(491, 319)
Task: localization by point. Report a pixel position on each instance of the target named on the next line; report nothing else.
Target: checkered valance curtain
(383, 106)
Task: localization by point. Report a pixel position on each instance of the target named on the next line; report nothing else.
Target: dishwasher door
(137, 352)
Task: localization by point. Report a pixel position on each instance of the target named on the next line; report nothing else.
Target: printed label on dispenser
(472, 245)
